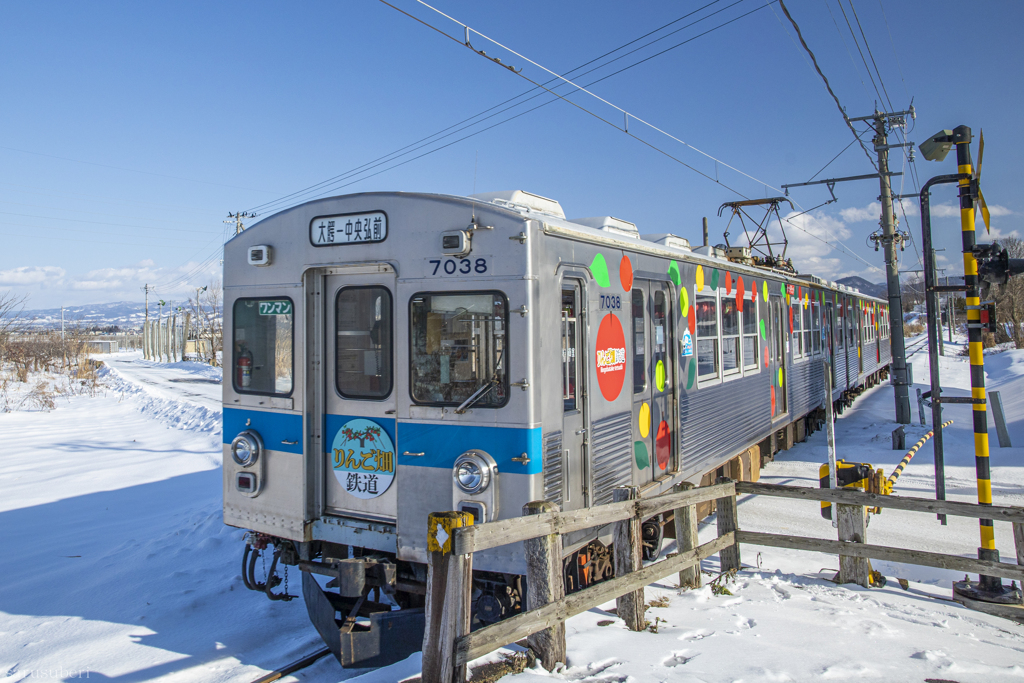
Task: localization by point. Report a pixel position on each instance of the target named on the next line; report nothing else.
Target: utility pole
(236, 218)
(145, 326)
(889, 239)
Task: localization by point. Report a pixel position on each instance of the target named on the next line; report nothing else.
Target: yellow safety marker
(441, 526)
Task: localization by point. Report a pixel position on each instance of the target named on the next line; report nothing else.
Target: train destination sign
(352, 228)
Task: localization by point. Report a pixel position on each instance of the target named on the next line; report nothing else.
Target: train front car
(379, 347)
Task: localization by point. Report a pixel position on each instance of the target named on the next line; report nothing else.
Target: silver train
(397, 354)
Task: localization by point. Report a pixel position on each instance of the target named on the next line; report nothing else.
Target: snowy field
(116, 564)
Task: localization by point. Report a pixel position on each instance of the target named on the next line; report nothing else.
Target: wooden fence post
(545, 584)
(449, 590)
(686, 538)
(728, 521)
(629, 558)
(1018, 541)
(853, 527)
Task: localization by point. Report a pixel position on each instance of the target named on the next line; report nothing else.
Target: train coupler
(256, 545)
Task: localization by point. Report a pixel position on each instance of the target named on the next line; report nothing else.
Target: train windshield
(459, 349)
(263, 346)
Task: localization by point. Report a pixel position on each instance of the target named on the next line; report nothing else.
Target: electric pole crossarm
(833, 181)
(910, 111)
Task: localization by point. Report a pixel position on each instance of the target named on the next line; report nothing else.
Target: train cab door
(358, 397)
(575, 467)
(778, 322)
(654, 425)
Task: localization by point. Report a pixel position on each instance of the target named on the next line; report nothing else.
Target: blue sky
(129, 130)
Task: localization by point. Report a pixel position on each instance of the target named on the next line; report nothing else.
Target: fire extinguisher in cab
(243, 367)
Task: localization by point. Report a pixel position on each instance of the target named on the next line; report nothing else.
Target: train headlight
(472, 472)
(247, 448)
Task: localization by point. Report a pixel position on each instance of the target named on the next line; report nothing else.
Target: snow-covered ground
(116, 562)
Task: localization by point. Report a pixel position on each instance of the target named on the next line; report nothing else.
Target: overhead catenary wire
(867, 46)
(828, 86)
(893, 43)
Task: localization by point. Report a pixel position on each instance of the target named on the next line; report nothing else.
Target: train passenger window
(639, 343)
(840, 338)
(569, 374)
(750, 332)
(658, 318)
(730, 337)
(851, 325)
(799, 350)
(706, 312)
(262, 346)
(458, 349)
(805, 313)
(363, 348)
(816, 328)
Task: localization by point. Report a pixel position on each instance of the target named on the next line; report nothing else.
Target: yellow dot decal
(659, 375)
(700, 278)
(764, 290)
(645, 420)
(684, 301)
(780, 378)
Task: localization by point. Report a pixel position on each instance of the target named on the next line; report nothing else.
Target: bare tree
(11, 308)
(1009, 297)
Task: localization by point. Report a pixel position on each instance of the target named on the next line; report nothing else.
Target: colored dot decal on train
(626, 273)
(599, 269)
(644, 423)
(739, 293)
(760, 324)
(691, 373)
(684, 301)
(714, 278)
(780, 378)
(700, 278)
(782, 288)
(611, 357)
(773, 400)
(728, 282)
(791, 320)
(764, 290)
(766, 356)
(692, 322)
(673, 273)
(640, 453)
(659, 376)
(663, 445)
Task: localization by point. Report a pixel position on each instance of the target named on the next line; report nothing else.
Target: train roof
(604, 230)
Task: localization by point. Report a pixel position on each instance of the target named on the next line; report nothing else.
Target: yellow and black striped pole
(910, 456)
(987, 551)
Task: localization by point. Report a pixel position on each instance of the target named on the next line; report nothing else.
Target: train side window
(569, 373)
(798, 326)
(706, 312)
(805, 313)
(839, 335)
(262, 338)
(750, 332)
(458, 349)
(639, 342)
(363, 348)
(851, 325)
(816, 328)
(731, 363)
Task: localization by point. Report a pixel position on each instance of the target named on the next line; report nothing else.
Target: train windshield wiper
(477, 395)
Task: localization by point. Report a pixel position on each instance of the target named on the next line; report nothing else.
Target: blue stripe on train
(443, 443)
(274, 428)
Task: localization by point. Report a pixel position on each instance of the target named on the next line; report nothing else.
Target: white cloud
(853, 214)
(31, 275)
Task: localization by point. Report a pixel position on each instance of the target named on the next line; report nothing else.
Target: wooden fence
(448, 643)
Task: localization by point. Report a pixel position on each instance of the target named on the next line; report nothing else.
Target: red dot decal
(739, 293)
(626, 273)
(663, 445)
(791, 320)
(773, 401)
(728, 283)
(611, 357)
(766, 356)
(692, 321)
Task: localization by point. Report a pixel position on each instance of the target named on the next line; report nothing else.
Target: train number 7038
(462, 266)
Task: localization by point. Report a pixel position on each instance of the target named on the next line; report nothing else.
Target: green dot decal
(599, 269)
(691, 373)
(761, 325)
(782, 288)
(659, 376)
(714, 278)
(673, 273)
(684, 301)
(643, 460)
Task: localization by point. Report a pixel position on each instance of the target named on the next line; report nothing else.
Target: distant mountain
(880, 290)
(125, 314)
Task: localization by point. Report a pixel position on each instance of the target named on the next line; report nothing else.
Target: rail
(448, 643)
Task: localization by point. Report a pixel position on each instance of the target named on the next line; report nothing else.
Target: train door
(779, 323)
(358, 399)
(858, 318)
(653, 380)
(575, 466)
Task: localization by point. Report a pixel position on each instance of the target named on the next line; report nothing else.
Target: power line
(828, 87)
(870, 54)
(859, 51)
(893, 43)
(843, 39)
